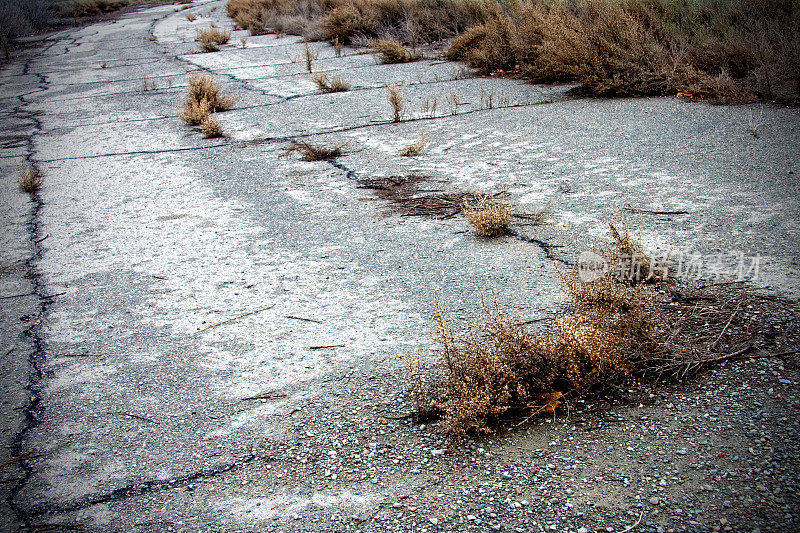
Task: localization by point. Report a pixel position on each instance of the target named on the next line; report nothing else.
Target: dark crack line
(34, 333)
(136, 152)
(143, 487)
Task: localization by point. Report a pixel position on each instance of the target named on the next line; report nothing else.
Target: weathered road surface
(130, 403)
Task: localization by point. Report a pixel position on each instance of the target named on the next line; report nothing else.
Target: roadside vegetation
(30, 178)
(204, 97)
(211, 39)
(615, 335)
(729, 50)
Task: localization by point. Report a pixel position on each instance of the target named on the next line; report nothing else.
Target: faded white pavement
(154, 234)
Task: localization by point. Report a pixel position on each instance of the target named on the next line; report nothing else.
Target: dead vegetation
(326, 85)
(616, 333)
(392, 51)
(90, 8)
(211, 128)
(734, 50)
(309, 56)
(191, 17)
(488, 215)
(30, 178)
(314, 152)
(397, 101)
(203, 97)
(211, 39)
(414, 149)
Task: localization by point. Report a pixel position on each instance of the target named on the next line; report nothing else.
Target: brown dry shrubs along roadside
(734, 50)
(616, 333)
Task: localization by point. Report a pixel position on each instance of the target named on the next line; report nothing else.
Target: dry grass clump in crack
(211, 128)
(413, 150)
(397, 100)
(336, 85)
(614, 334)
(204, 97)
(210, 39)
(314, 152)
(488, 215)
(309, 56)
(30, 177)
(191, 17)
(391, 51)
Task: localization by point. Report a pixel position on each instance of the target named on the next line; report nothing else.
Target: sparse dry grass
(30, 177)
(488, 215)
(210, 127)
(203, 97)
(335, 85)
(414, 149)
(734, 50)
(191, 17)
(314, 152)
(309, 56)
(392, 51)
(397, 101)
(210, 39)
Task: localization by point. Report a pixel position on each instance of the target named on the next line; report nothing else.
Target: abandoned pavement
(132, 401)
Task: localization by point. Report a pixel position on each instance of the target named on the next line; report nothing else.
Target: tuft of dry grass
(314, 152)
(203, 97)
(489, 216)
(413, 150)
(30, 177)
(210, 39)
(191, 17)
(336, 85)
(392, 51)
(210, 127)
(397, 101)
(309, 56)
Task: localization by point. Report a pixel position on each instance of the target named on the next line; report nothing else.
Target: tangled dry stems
(314, 152)
(413, 150)
(204, 96)
(488, 215)
(30, 178)
(210, 39)
(211, 128)
(336, 85)
(397, 101)
(392, 51)
(617, 333)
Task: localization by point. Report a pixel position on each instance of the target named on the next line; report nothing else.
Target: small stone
(654, 500)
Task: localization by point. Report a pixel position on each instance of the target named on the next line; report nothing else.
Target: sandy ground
(130, 401)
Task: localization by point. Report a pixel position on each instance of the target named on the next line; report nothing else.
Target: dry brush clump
(489, 215)
(211, 39)
(616, 333)
(203, 97)
(335, 85)
(211, 128)
(314, 152)
(90, 8)
(392, 51)
(414, 149)
(30, 177)
(397, 100)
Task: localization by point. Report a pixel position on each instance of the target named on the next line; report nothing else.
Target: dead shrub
(314, 152)
(615, 332)
(210, 127)
(489, 216)
(413, 150)
(30, 177)
(391, 51)
(309, 56)
(210, 39)
(191, 17)
(397, 100)
(203, 97)
(336, 85)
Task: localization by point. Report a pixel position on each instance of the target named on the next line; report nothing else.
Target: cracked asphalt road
(132, 401)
